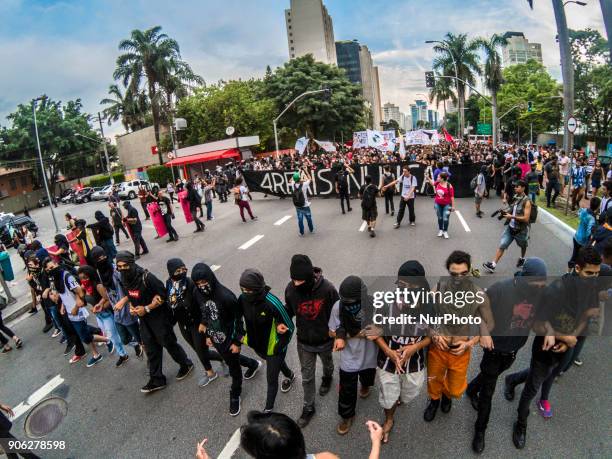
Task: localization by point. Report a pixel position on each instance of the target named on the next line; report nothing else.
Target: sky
(67, 49)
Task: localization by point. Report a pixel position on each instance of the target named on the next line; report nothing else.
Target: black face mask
(129, 275)
(54, 272)
(206, 289)
(179, 277)
(306, 286)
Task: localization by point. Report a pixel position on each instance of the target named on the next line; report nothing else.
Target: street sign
(572, 124)
(484, 129)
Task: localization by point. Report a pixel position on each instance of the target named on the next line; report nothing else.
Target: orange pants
(446, 373)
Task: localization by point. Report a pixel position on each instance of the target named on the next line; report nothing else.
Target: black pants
(198, 222)
(389, 204)
(71, 335)
(576, 249)
(48, 319)
(6, 330)
(145, 210)
(197, 341)
(235, 362)
(275, 364)
(5, 437)
(347, 398)
(345, 196)
(172, 234)
(139, 243)
(552, 189)
(402, 209)
(492, 365)
(120, 228)
(157, 334)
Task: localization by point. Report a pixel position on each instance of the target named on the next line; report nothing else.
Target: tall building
(405, 121)
(414, 115)
(356, 60)
(518, 50)
(391, 112)
(432, 119)
(310, 31)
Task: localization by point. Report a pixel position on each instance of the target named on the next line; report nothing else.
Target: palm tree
(179, 80)
(441, 92)
(130, 108)
(148, 55)
(493, 77)
(458, 50)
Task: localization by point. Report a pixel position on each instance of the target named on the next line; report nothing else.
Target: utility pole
(108, 167)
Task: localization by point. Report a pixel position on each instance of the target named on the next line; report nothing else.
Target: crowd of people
(134, 309)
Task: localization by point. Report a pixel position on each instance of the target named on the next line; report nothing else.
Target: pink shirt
(444, 195)
(525, 169)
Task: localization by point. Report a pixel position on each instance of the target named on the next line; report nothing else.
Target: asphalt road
(108, 417)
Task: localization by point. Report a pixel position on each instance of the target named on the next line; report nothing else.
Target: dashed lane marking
(231, 446)
(282, 220)
(363, 226)
(463, 222)
(250, 242)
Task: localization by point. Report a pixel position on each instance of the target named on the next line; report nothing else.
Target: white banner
(327, 146)
(301, 144)
(360, 139)
(422, 137)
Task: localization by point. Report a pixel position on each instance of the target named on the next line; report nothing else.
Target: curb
(18, 312)
(564, 226)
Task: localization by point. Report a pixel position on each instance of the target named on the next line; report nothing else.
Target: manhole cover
(44, 417)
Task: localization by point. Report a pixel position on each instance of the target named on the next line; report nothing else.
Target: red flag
(448, 137)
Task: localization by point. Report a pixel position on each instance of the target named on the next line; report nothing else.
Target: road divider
(250, 242)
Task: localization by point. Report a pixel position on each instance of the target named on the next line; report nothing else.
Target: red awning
(203, 157)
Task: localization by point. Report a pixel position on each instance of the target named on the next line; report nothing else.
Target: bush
(159, 174)
(102, 180)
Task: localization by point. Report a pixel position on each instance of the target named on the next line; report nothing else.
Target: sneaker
(304, 419)
(344, 426)
(205, 380)
(519, 435)
(152, 387)
(234, 406)
(446, 236)
(430, 412)
(520, 262)
(287, 383)
(56, 333)
(138, 350)
(93, 360)
(489, 266)
(578, 362)
(122, 360)
(184, 372)
(508, 390)
(111, 347)
(446, 404)
(545, 409)
(396, 225)
(251, 372)
(325, 386)
(412, 224)
(63, 340)
(69, 349)
(76, 358)
(372, 233)
(440, 233)
(224, 370)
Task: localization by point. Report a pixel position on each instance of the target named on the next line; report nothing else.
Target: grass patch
(571, 218)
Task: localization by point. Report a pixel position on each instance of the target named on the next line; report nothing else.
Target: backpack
(474, 183)
(369, 197)
(299, 200)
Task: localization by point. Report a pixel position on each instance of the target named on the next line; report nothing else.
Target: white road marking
(282, 220)
(231, 446)
(37, 396)
(250, 242)
(463, 222)
(213, 268)
(363, 226)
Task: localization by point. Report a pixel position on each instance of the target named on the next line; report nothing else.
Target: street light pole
(42, 165)
(108, 167)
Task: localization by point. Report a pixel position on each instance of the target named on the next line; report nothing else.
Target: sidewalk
(20, 290)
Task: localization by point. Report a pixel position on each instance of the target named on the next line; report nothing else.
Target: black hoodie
(219, 309)
(312, 310)
(181, 296)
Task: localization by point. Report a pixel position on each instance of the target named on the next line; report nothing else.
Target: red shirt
(444, 195)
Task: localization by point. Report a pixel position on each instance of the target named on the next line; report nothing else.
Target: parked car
(129, 190)
(102, 194)
(7, 224)
(84, 195)
(69, 196)
(44, 201)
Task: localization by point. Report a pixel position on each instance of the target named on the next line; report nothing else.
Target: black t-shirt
(148, 287)
(133, 213)
(164, 205)
(342, 180)
(552, 173)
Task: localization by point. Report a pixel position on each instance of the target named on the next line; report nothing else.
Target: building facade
(15, 182)
(518, 50)
(310, 30)
(391, 112)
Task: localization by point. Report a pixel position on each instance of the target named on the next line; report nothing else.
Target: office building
(518, 50)
(391, 112)
(310, 31)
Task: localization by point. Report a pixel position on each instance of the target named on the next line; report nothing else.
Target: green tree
(460, 51)
(241, 104)
(524, 83)
(63, 151)
(442, 91)
(128, 107)
(472, 111)
(317, 116)
(592, 81)
(493, 77)
(391, 125)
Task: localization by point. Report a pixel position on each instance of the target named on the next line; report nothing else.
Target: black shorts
(369, 214)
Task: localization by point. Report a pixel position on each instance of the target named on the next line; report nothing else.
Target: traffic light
(529, 106)
(430, 80)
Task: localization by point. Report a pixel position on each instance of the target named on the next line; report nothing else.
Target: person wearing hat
(401, 353)
(311, 297)
(300, 184)
(133, 222)
(147, 297)
(514, 303)
(268, 330)
(357, 354)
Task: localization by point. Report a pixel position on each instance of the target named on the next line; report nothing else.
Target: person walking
(194, 200)
(480, 190)
(586, 225)
(4, 330)
(388, 192)
(208, 190)
(147, 297)
(117, 218)
(369, 211)
(143, 197)
(408, 186)
(103, 234)
(167, 212)
(170, 191)
(444, 203)
(132, 219)
(300, 184)
(342, 186)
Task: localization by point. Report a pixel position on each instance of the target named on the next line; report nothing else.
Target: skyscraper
(391, 112)
(518, 50)
(310, 31)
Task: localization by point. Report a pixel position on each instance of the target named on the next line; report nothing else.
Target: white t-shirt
(244, 193)
(305, 186)
(564, 165)
(69, 299)
(407, 183)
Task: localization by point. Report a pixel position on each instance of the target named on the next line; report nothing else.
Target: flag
(301, 144)
(448, 137)
(402, 149)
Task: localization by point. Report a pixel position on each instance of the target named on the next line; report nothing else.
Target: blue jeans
(109, 247)
(301, 213)
(443, 213)
(106, 321)
(56, 320)
(130, 334)
(209, 214)
(83, 331)
(533, 197)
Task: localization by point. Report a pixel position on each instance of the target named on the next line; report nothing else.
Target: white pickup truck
(129, 190)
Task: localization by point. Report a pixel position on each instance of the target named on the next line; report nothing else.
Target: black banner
(278, 183)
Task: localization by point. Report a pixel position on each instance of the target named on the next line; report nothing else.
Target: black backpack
(369, 197)
(299, 200)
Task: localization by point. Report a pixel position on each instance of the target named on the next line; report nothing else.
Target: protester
(195, 202)
(103, 234)
(342, 186)
(133, 221)
(386, 178)
(480, 190)
(117, 219)
(533, 183)
(6, 436)
(167, 211)
(408, 184)
(143, 197)
(553, 187)
(586, 225)
(241, 194)
(369, 211)
(170, 190)
(301, 183)
(444, 202)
